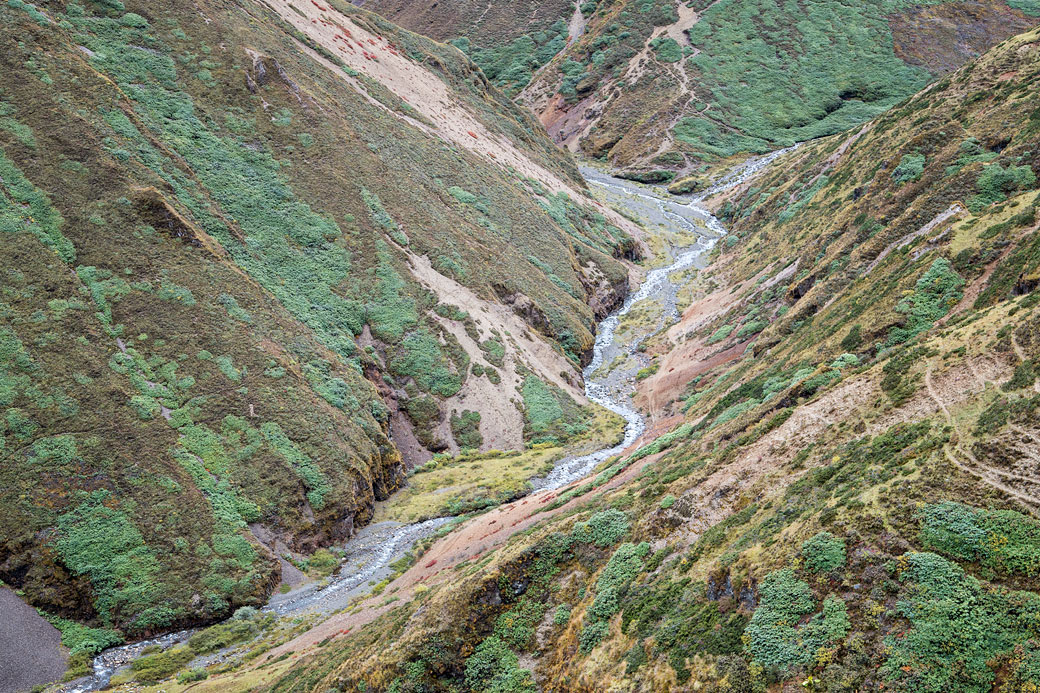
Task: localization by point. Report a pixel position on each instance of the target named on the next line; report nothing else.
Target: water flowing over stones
(370, 553)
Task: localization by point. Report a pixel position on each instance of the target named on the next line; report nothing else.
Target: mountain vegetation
(846, 500)
(662, 88)
(280, 275)
(227, 271)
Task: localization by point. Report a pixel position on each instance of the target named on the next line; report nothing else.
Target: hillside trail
(1022, 358)
(989, 475)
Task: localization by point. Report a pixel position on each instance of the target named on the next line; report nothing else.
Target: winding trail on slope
(984, 473)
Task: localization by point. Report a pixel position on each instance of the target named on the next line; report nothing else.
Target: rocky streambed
(690, 231)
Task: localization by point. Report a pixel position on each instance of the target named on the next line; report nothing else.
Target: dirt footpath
(30, 647)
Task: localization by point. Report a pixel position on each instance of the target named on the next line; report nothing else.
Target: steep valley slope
(253, 253)
(665, 88)
(265, 262)
(840, 489)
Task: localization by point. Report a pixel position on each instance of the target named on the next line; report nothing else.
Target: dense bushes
(419, 357)
(823, 553)
(1002, 540)
(465, 427)
(494, 668)
(550, 414)
(603, 529)
(682, 623)
(935, 293)
(778, 76)
(910, 168)
(667, 49)
(104, 545)
(956, 627)
(613, 582)
(773, 637)
(510, 65)
(995, 183)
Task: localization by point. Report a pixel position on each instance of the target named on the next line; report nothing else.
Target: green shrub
(956, 628)
(1002, 540)
(667, 49)
(853, 340)
(719, 334)
(773, 637)
(419, 357)
(494, 668)
(20, 131)
(750, 328)
(33, 212)
(644, 373)
(465, 428)
(777, 75)
(845, 361)
(81, 639)
(233, 309)
(155, 668)
(823, 553)
(625, 563)
(603, 529)
(104, 545)
(936, 292)
(910, 168)
(323, 562)
(192, 676)
(222, 635)
(995, 183)
(591, 635)
(463, 196)
(549, 412)
(605, 605)
(662, 442)
(1030, 7)
(511, 65)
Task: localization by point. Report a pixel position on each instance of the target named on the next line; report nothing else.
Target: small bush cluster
(603, 529)
(823, 553)
(465, 428)
(936, 292)
(995, 183)
(1005, 541)
(550, 414)
(611, 586)
(774, 638)
(956, 628)
(910, 168)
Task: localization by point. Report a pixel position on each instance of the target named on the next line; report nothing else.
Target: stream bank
(610, 377)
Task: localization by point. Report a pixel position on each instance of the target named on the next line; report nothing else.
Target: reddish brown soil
(466, 543)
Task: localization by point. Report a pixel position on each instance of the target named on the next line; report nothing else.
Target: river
(690, 231)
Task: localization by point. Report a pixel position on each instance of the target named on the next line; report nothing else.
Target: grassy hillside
(669, 87)
(846, 498)
(234, 252)
(663, 88)
(508, 40)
